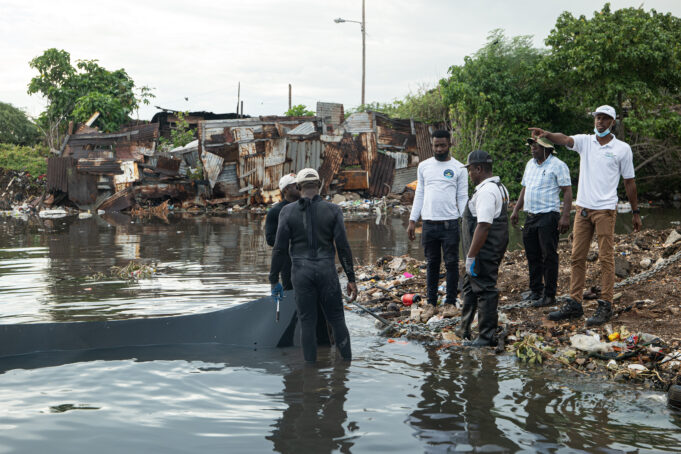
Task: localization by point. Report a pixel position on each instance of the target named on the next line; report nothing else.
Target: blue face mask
(602, 134)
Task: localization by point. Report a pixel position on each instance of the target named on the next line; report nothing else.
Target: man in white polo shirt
(441, 195)
(603, 159)
(485, 238)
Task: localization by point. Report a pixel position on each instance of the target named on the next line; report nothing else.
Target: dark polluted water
(394, 397)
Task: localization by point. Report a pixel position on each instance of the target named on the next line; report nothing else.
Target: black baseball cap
(478, 157)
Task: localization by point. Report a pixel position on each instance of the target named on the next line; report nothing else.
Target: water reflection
(314, 418)
(458, 403)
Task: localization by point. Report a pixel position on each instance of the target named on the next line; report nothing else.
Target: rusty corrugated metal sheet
(275, 152)
(99, 166)
(301, 155)
(82, 188)
(382, 174)
(272, 176)
(168, 165)
(423, 141)
(305, 129)
(368, 150)
(146, 133)
(227, 182)
(212, 166)
(402, 178)
(359, 122)
(57, 177)
(351, 152)
(251, 171)
(333, 157)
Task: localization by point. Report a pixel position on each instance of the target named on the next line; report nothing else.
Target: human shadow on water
(456, 410)
(314, 418)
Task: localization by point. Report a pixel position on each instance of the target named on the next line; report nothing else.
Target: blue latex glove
(470, 264)
(278, 290)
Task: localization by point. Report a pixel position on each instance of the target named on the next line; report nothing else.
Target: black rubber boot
(470, 305)
(544, 301)
(488, 319)
(570, 309)
(603, 314)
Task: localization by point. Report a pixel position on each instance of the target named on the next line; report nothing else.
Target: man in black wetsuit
(290, 193)
(312, 230)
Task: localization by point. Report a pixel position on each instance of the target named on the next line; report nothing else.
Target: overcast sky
(201, 49)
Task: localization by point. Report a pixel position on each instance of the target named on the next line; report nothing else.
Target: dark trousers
(316, 284)
(540, 237)
(441, 239)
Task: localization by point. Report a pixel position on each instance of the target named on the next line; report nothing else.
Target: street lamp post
(364, 50)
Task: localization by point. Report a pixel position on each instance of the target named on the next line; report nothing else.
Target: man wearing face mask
(441, 195)
(545, 176)
(603, 159)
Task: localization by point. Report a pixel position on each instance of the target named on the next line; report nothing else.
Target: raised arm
(556, 137)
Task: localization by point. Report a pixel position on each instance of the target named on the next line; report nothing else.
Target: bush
(24, 159)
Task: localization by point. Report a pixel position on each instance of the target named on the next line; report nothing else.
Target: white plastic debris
(84, 215)
(434, 319)
(612, 364)
(589, 343)
(673, 237)
(53, 214)
(637, 367)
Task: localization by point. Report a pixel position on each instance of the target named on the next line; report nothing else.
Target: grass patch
(24, 159)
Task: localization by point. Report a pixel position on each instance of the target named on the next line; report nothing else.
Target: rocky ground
(642, 342)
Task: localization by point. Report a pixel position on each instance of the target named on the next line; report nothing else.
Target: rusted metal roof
(423, 142)
(99, 166)
(351, 153)
(251, 172)
(227, 183)
(382, 174)
(305, 129)
(145, 133)
(57, 169)
(168, 165)
(359, 122)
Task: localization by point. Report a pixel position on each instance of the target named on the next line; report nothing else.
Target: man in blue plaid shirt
(544, 178)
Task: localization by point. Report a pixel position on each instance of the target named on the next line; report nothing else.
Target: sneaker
(570, 309)
(603, 314)
(428, 312)
(449, 310)
(544, 301)
(530, 295)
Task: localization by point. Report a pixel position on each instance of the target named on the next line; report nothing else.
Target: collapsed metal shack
(396, 147)
(110, 171)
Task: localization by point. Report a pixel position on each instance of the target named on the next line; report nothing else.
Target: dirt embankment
(642, 342)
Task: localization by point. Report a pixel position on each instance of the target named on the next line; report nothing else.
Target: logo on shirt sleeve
(449, 173)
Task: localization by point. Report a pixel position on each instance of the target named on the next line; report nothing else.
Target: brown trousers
(602, 222)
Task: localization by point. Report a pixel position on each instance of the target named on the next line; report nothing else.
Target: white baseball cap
(306, 175)
(286, 180)
(607, 110)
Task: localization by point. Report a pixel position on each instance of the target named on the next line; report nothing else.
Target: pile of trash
(19, 189)
(647, 300)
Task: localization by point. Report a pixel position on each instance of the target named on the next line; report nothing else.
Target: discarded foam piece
(590, 343)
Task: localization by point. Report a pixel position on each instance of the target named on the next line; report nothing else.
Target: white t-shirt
(600, 168)
(488, 200)
(441, 191)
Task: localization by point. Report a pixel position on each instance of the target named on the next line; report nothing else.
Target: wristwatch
(636, 211)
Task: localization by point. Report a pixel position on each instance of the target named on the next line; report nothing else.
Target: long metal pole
(364, 52)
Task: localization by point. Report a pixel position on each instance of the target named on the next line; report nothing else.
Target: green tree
(180, 135)
(495, 96)
(15, 127)
(299, 110)
(631, 59)
(76, 92)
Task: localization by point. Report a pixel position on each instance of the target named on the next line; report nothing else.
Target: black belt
(439, 222)
(532, 215)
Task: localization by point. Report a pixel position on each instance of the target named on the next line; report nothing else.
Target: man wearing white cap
(603, 159)
(289, 193)
(312, 230)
